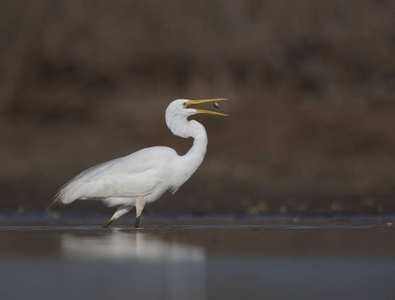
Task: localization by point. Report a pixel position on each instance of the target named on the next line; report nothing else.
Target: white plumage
(143, 176)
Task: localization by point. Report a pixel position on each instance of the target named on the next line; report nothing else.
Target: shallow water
(73, 257)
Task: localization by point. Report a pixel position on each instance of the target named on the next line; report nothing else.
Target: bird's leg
(137, 223)
(120, 212)
(139, 209)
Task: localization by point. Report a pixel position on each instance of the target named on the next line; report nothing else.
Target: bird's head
(183, 107)
(179, 110)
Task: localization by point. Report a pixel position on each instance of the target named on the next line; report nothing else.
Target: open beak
(193, 102)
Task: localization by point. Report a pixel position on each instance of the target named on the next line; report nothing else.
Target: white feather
(143, 176)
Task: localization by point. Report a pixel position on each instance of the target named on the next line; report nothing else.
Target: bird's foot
(108, 223)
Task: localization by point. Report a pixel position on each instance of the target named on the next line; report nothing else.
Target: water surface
(73, 257)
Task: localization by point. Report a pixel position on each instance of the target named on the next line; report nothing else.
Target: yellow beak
(193, 102)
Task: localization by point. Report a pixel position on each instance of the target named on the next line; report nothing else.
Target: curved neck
(199, 147)
(182, 127)
(189, 163)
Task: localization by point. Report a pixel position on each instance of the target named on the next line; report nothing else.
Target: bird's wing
(135, 175)
(121, 185)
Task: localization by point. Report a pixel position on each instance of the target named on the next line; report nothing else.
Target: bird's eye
(185, 104)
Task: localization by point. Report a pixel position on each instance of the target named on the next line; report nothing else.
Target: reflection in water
(173, 270)
(121, 245)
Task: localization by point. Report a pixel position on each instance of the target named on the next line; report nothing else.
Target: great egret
(143, 176)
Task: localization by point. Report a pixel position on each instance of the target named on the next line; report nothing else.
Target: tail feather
(71, 191)
(55, 199)
(64, 195)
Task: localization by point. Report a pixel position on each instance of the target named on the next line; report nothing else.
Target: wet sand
(220, 257)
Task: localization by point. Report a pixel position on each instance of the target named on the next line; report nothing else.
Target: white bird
(143, 176)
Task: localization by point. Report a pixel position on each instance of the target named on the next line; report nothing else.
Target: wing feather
(137, 174)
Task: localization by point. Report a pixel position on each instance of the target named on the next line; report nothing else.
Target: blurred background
(311, 86)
